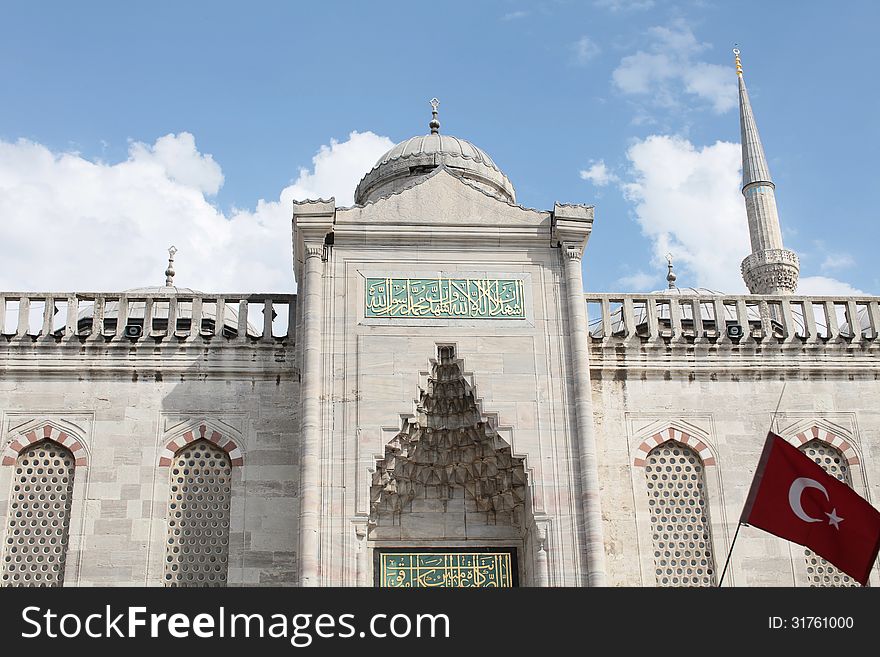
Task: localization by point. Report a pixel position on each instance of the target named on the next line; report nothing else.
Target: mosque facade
(440, 404)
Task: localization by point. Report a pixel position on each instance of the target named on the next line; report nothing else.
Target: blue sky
(127, 127)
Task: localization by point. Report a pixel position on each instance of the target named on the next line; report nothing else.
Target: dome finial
(169, 273)
(434, 124)
(670, 277)
(737, 61)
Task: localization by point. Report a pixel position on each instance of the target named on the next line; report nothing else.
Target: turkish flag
(794, 498)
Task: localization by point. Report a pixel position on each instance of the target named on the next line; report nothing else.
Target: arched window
(679, 517)
(39, 516)
(819, 571)
(197, 548)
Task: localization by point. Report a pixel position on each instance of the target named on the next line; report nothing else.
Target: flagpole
(729, 554)
(776, 412)
(740, 523)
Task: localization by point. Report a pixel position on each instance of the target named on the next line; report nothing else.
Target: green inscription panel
(445, 298)
(484, 569)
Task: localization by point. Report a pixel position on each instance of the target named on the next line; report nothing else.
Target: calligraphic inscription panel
(461, 569)
(445, 298)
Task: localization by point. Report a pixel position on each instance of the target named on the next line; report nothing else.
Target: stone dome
(137, 309)
(418, 156)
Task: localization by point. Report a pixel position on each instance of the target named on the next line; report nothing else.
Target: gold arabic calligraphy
(447, 569)
(445, 298)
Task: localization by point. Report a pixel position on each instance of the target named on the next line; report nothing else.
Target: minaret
(770, 268)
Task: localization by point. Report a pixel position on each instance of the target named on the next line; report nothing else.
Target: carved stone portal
(448, 467)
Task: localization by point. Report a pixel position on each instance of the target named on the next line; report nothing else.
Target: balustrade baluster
(267, 320)
(242, 320)
(629, 319)
(24, 309)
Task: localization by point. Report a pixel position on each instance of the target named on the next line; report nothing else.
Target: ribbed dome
(418, 156)
(438, 143)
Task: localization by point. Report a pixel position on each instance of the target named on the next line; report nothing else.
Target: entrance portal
(449, 501)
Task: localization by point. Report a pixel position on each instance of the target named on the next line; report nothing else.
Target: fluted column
(310, 432)
(586, 439)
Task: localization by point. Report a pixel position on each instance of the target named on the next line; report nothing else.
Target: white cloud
(75, 224)
(598, 174)
(688, 202)
(834, 261)
(514, 15)
(670, 68)
(585, 50)
(637, 282)
(711, 82)
(177, 157)
(624, 5)
(338, 168)
(637, 74)
(825, 286)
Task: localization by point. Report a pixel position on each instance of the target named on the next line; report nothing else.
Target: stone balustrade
(745, 319)
(153, 317)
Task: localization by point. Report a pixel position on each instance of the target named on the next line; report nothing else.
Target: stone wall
(729, 414)
(131, 409)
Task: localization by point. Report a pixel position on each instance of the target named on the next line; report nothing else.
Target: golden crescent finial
(738, 62)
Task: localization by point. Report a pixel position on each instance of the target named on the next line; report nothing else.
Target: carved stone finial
(670, 276)
(169, 273)
(435, 123)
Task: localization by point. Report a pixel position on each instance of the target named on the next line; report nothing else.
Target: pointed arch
(51, 432)
(204, 431)
(675, 434)
(823, 435)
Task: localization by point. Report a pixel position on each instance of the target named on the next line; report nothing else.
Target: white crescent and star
(794, 501)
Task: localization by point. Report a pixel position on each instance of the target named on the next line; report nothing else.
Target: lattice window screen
(39, 516)
(197, 552)
(679, 518)
(819, 571)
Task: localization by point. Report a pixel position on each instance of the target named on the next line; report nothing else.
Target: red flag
(794, 498)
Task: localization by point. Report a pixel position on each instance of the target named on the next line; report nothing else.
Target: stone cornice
(617, 361)
(571, 226)
(396, 235)
(171, 362)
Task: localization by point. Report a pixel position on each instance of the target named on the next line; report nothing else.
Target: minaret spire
(770, 268)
